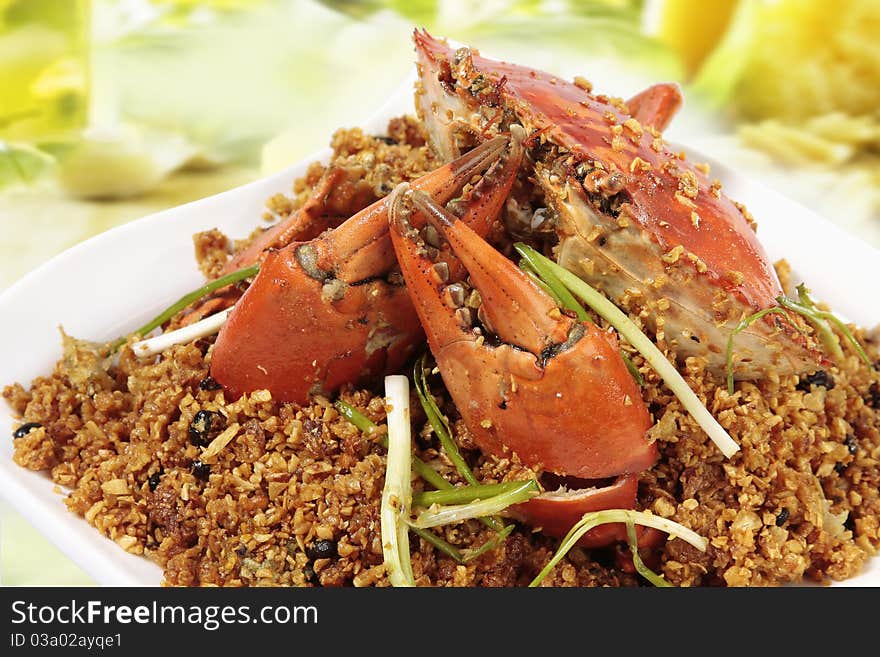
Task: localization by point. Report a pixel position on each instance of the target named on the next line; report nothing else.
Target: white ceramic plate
(118, 280)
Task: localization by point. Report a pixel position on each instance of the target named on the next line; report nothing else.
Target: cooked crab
(628, 215)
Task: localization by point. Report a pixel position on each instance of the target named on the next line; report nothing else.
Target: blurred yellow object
(223, 5)
(21, 163)
(794, 59)
(44, 50)
(794, 145)
(691, 29)
(121, 162)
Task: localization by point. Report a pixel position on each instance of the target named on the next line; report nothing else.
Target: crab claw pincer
(525, 377)
(333, 310)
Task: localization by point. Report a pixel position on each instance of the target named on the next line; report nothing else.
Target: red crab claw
(340, 190)
(556, 512)
(331, 311)
(633, 218)
(533, 381)
(549, 376)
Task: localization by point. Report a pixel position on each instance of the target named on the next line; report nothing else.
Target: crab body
(631, 217)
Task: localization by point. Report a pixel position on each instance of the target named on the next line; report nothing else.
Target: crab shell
(633, 219)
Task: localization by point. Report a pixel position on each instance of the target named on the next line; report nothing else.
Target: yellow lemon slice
(690, 29)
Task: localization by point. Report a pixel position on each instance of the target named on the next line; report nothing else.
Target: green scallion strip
(488, 546)
(358, 419)
(829, 340)
(819, 318)
(744, 324)
(632, 369)
(532, 274)
(556, 289)
(438, 515)
(641, 568)
(804, 296)
(366, 425)
(465, 494)
(561, 294)
(439, 423)
(188, 299)
(397, 492)
(421, 468)
(441, 428)
(444, 546)
(614, 316)
(594, 519)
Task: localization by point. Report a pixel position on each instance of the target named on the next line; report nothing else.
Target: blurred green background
(113, 109)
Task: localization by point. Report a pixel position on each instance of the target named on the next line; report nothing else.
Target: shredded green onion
(744, 324)
(641, 568)
(549, 282)
(427, 473)
(397, 493)
(438, 515)
(188, 299)
(557, 289)
(596, 518)
(366, 425)
(640, 341)
(439, 423)
(444, 546)
(358, 419)
(462, 556)
(632, 369)
(805, 307)
(819, 318)
(440, 426)
(465, 494)
(537, 280)
(488, 546)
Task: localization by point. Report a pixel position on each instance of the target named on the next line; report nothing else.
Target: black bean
(873, 398)
(391, 141)
(852, 445)
(850, 523)
(314, 428)
(241, 550)
(817, 378)
(322, 549)
(25, 429)
(208, 383)
(311, 576)
(782, 516)
(200, 470)
(153, 481)
(840, 468)
(200, 427)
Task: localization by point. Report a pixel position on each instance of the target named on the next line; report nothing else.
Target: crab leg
(329, 311)
(656, 105)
